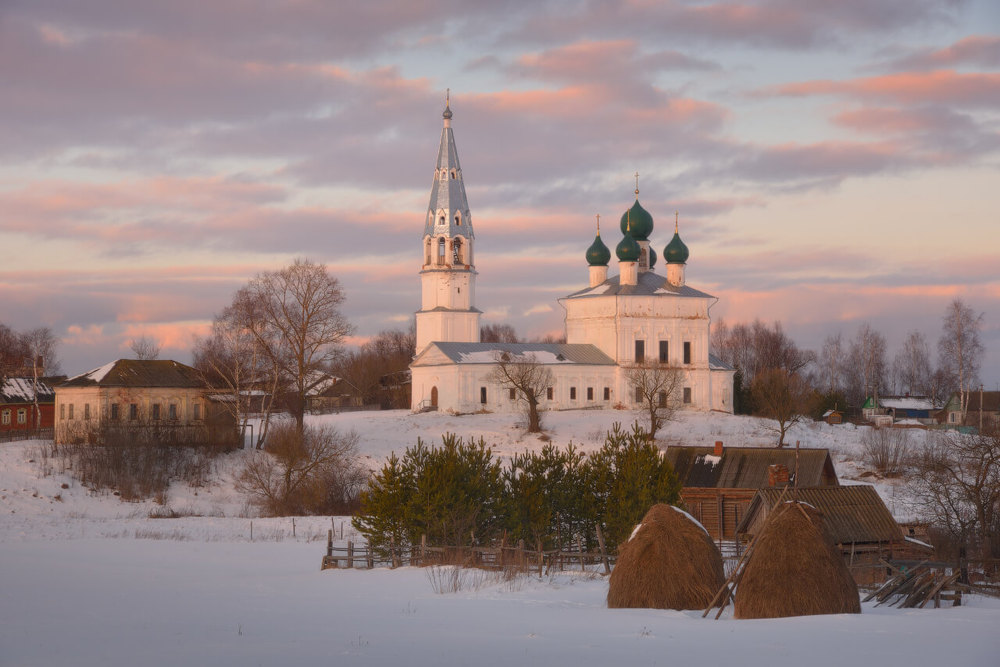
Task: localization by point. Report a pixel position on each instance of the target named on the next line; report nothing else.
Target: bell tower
(448, 274)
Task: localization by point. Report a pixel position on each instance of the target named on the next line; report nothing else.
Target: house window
(71, 411)
(513, 393)
(22, 416)
(114, 412)
(663, 399)
(172, 411)
(607, 393)
(548, 393)
(482, 395)
(687, 395)
(640, 351)
(687, 353)
(62, 411)
(197, 411)
(638, 394)
(664, 351)
(133, 411)
(5, 418)
(156, 410)
(572, 393)
(590, 393)
(86, 410)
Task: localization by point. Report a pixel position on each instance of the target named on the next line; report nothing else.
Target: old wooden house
(719, 483)
(857, 520)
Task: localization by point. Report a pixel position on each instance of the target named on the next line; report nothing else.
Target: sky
(830, 163)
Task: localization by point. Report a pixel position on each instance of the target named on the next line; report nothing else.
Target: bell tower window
(440, 258)
(457, 251)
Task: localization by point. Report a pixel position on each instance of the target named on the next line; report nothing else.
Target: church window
(114, 412)
(454, 174)
(687, 395)
(456, 249)
(664, 352)
(70, 411)
(640, 351)
(428, 252)
(638, 394)
(548, 393)
(687, 352)
(156, 411)
(513, 393)
(441, 248)
(172, 411)
(86, 410)
(482, 395)
(572, 393)
(590, 393)
(133, 411)
(607, 393)
(458, 219)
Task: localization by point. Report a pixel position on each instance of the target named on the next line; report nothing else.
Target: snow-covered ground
(89, 580)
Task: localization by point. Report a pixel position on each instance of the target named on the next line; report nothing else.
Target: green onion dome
(639, 219)
(675, 252)
(652, 257)
(628, 249)
(598, 253)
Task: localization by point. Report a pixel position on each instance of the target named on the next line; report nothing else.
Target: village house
(18, 399)
(166, 399)
(887, 410)
(982, 410)
(718, 483)
(635, 317)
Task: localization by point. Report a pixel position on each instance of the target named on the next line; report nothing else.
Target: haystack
(795, 570)
(669, 563)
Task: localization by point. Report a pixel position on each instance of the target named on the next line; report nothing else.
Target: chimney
(777, 475)
(718, 448)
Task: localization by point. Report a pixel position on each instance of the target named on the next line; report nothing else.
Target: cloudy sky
(832, 162)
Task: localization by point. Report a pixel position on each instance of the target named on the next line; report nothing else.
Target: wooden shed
(855, 517)
(719, 483)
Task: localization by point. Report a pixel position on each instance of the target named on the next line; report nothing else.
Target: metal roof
(138, 373)
(448, 194)
(746, 467)
(22, 390)
(544, 353)
(851, 513)
(717, 364)
(648, 284)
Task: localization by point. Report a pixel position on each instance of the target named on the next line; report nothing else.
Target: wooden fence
(515, 556)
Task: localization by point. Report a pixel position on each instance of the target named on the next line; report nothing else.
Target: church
(615, 322)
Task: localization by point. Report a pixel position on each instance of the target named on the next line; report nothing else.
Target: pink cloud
(940, 86)
(982, 50)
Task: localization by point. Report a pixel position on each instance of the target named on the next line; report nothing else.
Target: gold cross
(637, 184)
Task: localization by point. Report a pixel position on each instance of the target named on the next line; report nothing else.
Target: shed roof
(138, 373)
(851, 513)
(746, 467)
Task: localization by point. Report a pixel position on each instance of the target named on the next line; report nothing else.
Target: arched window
(456, 247)
(427, 252)
(458, 219)
(443, 220)
(454, 174)
(440, 259)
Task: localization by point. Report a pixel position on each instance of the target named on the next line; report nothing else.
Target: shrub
(887, 450)
(312, 472)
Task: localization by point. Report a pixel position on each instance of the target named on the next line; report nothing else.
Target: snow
(97, 374)
(90, 580)
(690, 518)
(711, 459)
(908, 403)
(22, 389)
(490, 357)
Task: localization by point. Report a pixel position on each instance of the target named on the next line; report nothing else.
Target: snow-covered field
(90, 580)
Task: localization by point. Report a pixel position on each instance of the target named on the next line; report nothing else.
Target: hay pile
(795, 570)
(669, 563)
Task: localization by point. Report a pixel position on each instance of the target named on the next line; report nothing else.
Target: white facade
(607, 324)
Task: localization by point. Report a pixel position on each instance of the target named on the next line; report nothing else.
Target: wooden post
(541, 558)
(579, 547)
(522, 561)
(371, 556)
(604, 551)
(350, 554)
(423, 549)
(392, 551)
(329, 544)
(293, 527)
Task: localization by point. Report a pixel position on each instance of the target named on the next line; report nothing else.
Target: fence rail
(26, 434)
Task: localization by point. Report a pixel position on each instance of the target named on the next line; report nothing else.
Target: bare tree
(144, 348)
(866, 365)
(781, 396)
(960, 348)
(232, 360)
(498, 333)
(912, 365)
(756, 347)
(831, 363)
(373, 370)
(298, 323)
(527, 378)
(887, 450)
(656, 387)
(958, 485)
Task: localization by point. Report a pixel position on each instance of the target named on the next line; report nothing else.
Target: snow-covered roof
(138, 373)
(543, 353)
(648, 284)
(907, 403)
(22, 390)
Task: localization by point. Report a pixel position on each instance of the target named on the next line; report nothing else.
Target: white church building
(637, 316)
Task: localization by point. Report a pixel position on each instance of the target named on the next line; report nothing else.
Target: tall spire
(448, 210)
